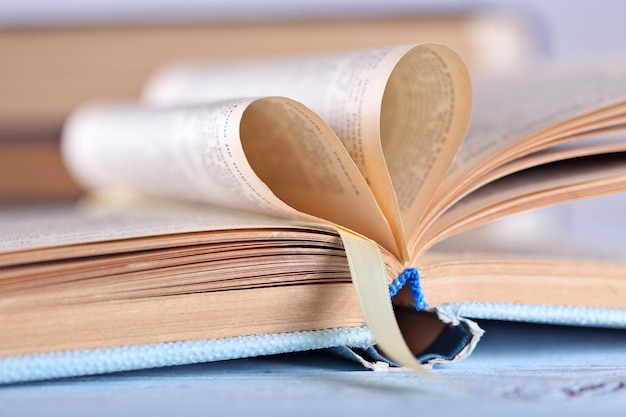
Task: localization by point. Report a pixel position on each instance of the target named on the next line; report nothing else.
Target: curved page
(401, 112)
(510, 110)
(536, 187)
(525, 113)
(221, 155)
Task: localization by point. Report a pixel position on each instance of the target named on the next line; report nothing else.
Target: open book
(253, 205)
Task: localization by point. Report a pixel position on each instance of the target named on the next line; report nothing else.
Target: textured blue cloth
(531, 313)
(410, 276)
(55, 365)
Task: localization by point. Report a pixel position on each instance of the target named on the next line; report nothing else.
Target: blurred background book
(58, 54)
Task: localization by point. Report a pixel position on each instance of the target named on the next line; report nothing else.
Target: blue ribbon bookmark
(412, 276)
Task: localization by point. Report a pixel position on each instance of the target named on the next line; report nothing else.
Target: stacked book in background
(47, 72)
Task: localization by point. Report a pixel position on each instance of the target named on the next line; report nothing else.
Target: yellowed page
(493, 263)
(74, 226)
(421, 93)
(309, 169)
(364, 259)
(537, 187)
(47, 227)
(509, 110)
(604, 142)
(556, 234)
(270, 156)
(587, 143)
(527, 113)
(195, 316)
(425, 112)
(525, 281)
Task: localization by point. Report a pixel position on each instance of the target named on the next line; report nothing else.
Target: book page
(565, 236)
(271, 156)
(517, 282)
(509, 110)
(424, 115)
(51, 226)
(529, 258)
(606, 141)
(401, 112)
(517, 116)
(533, 188)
